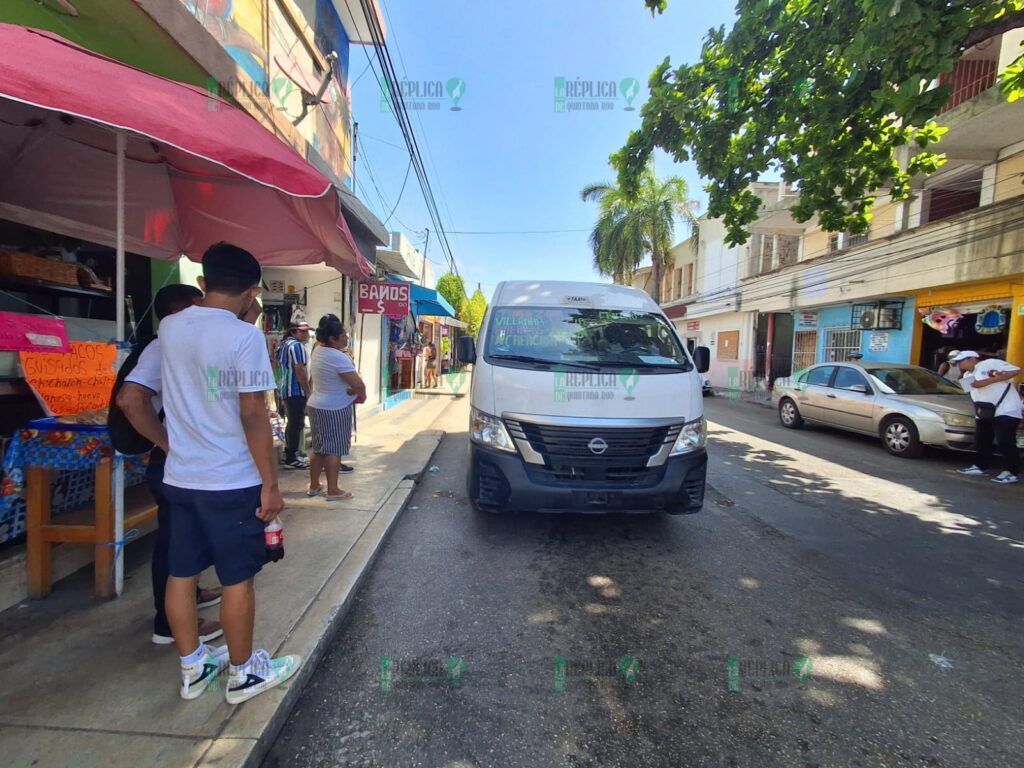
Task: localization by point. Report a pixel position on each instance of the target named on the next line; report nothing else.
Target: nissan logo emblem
(597, 446)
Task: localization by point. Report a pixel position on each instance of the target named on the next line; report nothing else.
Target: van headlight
(957, 419)
(488, 430)
(692, 436)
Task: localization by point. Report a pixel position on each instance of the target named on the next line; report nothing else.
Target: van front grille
(569, 458)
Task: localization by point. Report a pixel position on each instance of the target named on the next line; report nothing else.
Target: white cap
(965, 355)
(952, 353)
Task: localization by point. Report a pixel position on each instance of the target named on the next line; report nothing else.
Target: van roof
(564, 293)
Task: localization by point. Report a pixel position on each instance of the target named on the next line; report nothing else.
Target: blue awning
(426, 302)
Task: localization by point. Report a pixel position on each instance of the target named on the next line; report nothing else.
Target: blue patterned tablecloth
(72, 449)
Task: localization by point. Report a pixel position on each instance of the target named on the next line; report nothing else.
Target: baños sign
(391, 299)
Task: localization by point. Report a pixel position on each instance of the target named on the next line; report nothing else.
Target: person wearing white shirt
(220, 477)
(139, 400)
(991, 383)
(331, 408)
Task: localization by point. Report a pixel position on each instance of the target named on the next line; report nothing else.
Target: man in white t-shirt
(139, 399)
(992, 381)
(220, 477)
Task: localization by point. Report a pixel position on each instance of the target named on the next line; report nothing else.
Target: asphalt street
(830, 606)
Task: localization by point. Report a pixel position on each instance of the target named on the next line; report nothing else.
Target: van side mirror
(466, 350)
(702, 359)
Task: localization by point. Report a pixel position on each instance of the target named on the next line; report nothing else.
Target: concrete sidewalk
(82, 685)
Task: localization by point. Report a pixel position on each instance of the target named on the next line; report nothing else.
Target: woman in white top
(331, 407)
(949, 370)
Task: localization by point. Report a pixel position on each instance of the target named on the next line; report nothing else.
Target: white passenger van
(583, 398)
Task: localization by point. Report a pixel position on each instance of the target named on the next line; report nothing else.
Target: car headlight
(692, 436)
(488, 430)
(957, 419)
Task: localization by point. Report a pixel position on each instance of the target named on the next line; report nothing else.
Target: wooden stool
(89, 524)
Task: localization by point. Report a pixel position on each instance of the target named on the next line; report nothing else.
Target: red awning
(198, 170)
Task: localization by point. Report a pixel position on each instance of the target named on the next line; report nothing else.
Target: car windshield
(913, 381)
(584, 337)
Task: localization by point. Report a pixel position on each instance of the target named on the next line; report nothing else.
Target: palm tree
(632, 226)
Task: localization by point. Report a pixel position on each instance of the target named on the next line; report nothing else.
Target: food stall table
(46, 445)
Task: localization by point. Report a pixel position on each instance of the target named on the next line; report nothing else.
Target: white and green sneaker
(196, 678)
(259, 674)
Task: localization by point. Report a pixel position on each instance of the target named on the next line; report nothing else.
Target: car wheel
(899, 436)
(789, 415)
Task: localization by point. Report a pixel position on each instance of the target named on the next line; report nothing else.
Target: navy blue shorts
(217, 528)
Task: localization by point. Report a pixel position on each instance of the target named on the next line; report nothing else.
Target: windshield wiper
(523, 359)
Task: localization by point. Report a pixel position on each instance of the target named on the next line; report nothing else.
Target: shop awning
(428, 302)
(197, 169)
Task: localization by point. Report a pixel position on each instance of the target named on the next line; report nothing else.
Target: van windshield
(583, 337)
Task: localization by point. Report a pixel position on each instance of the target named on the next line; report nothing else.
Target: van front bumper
(499, 481)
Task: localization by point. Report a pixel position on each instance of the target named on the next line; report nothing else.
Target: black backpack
(123, 436)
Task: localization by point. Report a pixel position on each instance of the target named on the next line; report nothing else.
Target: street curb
(312, 634)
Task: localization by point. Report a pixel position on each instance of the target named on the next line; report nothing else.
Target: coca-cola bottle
(273, 537)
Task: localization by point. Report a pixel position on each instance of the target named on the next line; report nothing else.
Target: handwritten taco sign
(77, 381)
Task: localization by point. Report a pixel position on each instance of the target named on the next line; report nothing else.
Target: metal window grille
(805, 349)
(833, 242)
(840, 343)
(852, 240)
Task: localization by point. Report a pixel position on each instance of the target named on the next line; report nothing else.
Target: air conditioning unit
(882, 316)
(869, 318)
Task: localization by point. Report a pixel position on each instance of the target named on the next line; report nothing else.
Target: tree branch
(993, 28)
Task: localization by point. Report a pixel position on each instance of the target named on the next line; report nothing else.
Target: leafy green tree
(831, 94)
(453, 289)
(473, 310)
(633, 224)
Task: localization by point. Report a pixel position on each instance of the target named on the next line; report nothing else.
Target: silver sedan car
(906, 406)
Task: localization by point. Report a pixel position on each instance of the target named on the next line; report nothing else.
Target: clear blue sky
(507, 160)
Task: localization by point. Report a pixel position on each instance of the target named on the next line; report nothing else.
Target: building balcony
(982, 244)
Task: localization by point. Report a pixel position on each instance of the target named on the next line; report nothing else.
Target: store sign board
(33, 333)
(77, 381)
(879, 341)
(693, 325)
(391, 299)
(807, 319)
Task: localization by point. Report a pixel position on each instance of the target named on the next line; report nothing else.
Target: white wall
(718, 264)
(366, 344)
(707, 336)
(324, 294)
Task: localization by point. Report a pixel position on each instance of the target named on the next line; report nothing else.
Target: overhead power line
(390, 82)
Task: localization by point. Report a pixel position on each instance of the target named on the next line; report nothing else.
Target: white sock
(195, 657)
(240, 667)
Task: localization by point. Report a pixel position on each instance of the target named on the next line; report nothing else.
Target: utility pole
(423, 269)
(355, 152)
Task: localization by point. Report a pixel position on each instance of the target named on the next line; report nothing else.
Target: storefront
(984, 317)
(92, 223)
(878, 330)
